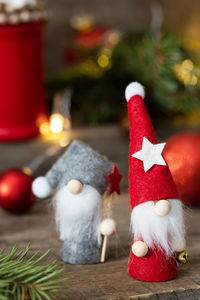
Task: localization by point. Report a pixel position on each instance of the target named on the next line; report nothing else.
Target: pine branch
(22, 279)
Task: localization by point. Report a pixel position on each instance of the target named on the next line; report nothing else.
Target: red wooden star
(114, 178)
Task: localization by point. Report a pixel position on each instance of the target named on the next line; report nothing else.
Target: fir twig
(22, 279)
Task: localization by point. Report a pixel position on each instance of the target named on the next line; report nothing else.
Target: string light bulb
(188, 64)
(44, 128)
(186, 73)
(56, 123)
(103, 61)
(58, 128)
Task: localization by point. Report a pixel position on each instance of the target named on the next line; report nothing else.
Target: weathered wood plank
(108, 280)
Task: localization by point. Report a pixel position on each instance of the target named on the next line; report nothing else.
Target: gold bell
(183, 257)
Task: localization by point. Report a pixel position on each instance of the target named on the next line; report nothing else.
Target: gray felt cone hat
(82, 163)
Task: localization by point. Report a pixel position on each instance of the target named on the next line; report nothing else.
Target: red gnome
(157, 213)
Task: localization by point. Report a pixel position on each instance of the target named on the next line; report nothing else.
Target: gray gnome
(80, 176)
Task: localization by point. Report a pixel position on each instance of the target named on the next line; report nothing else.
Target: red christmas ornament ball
(182, 154)
(15, 191)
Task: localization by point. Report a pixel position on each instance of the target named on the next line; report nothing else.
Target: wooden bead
(162, 207)
(74, 186)
(139, 248)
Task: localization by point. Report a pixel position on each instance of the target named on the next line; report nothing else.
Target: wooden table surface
(108, 280)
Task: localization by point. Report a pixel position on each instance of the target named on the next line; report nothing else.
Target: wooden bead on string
(107, 227)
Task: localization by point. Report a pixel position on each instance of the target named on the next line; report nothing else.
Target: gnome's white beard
(77, 213)
(163, 232)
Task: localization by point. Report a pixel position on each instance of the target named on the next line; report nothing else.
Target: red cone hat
(149, 175)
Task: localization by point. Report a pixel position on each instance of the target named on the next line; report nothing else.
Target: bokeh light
(56, 123)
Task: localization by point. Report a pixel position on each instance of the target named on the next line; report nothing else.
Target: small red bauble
(15, 190)
(182, 154)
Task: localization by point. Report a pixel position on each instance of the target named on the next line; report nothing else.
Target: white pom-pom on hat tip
(41, 187)
(134, 88)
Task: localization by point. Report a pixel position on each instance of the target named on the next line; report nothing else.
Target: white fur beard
(163, 232)
(76, 212)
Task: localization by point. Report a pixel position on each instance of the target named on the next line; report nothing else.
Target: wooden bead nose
(162, 207)
(74, 186)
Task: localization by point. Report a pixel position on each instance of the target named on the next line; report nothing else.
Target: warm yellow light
(44, 128)
(107, 51)
(103, 61)
(90, 68)
(27, 171)
(67, 124)
(184, 72)
(188, 64)
(65, 140)
(56, 123)
(194, 80)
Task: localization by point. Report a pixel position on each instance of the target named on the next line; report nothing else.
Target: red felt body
(155, 266)
(22, 98)
(156, 183)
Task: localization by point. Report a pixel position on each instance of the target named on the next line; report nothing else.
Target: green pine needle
(22, 279)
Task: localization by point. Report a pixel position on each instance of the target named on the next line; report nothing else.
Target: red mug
(22, 94)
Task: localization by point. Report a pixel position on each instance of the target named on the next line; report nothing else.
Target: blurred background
(97, 48)
(133, 16)
(94, 49)
(64, 68)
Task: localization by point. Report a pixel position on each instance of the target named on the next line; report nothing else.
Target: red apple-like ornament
(15, 190)
(182, 154)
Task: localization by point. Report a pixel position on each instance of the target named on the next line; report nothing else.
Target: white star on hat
(150, 154)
